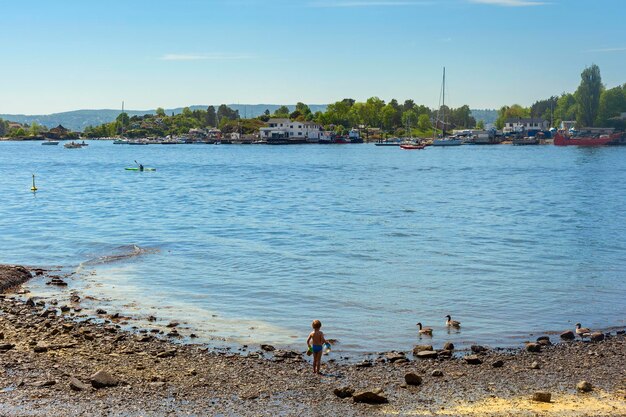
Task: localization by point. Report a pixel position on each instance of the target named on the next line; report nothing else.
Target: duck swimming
(452, 323)
(425, 330)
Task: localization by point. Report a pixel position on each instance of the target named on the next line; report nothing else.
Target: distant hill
(78, 120)
(489, 116)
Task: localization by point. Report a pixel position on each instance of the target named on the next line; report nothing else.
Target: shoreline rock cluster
(53, 365)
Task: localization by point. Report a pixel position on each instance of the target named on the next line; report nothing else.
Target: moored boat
(412, 146)
(584, 140)
(50, 142)
(72, 145)
(529, 140)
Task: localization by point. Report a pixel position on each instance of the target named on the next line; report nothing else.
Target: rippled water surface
(250, 243)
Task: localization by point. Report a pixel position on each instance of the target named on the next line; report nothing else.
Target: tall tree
(588, 95)
(612, 104)
(211, 116)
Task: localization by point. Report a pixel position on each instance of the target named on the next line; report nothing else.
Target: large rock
(7, 346)
(541, 396)
(533, 347)
(76, 385)
(584, 386)
(472, 359)
(478, 349)
(374, 396)
(268, 348)
(498, 364)
(544, 341)
(597, 337)
(395, 356)
(568, 335)
(412, 379)
(103, 379)
(420, 348)
(448, 346)
(12, 276)
(343, 392)
(427, 354)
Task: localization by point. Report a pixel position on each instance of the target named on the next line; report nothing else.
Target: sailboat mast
(443, 107)
(122, 119)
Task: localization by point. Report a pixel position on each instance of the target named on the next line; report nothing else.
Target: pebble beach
(54, 364)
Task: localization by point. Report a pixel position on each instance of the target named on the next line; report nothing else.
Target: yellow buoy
(33, 188)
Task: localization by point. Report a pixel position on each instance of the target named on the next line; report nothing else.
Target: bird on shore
(452, 323)
(425, 330)
(582, 331)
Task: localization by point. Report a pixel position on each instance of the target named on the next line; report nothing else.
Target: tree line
(591, 105)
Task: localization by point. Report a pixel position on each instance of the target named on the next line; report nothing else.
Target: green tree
(160, 112)
(566, 108)
(187, 112)
(282, 112)
(123, 119)
(513, 112)
(4, 127)
(423, 122)
(35, 129)
(409, 118)
(612, 104)
(480, 125)
(588, 95)
(211, 116)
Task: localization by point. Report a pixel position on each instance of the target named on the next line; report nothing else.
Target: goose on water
(425, 330)
(582, 331)
(452, 323)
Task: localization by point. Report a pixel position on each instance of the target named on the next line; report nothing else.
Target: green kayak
(137, 169)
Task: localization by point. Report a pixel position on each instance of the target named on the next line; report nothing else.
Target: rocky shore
(56, 365)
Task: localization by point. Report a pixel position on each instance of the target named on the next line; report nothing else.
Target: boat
(73, 145)
(137, 169)
(120, 142)
(50, 142)
(445, 141)
(389, 142)
(412, 146)
(137, 142)
(584, 139)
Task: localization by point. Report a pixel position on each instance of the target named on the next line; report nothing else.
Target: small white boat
(447, 142)
(73, 145)
(50, 142)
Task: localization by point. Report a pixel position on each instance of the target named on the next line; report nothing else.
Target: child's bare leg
(318, 362)
(314, 362)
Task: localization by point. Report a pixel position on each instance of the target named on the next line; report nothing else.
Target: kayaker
(140, 167)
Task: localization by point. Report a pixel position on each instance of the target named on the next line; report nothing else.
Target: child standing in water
(316, 342)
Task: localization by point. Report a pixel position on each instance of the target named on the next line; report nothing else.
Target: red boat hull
(560, 140)
(410, 147)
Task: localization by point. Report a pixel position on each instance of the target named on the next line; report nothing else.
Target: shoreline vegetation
(56, 365)
(591, 105)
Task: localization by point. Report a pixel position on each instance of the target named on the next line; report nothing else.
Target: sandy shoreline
(48, 360)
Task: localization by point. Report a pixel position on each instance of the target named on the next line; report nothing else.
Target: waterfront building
(567, 125)
(520, 124)
(294, 130)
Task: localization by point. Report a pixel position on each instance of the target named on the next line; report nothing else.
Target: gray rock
(568, 335)
(343, 392)
(436, 372)
(172, 324)
(76, 385)
(374, 396)
(472, 359)
(533, 347)
(412, 379)
(46, 383)
(100, 311)
(427, 354)
(541, 396)
(584, 386)
(40, 349)
(544, 340)
(103, 379)
(444, 354)
(268, 348)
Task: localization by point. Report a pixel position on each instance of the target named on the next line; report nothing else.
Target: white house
(521, 124)
(287, 129)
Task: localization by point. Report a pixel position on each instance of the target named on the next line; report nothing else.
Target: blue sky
(70, 54)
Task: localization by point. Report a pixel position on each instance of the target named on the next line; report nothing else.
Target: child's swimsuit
(317, 348)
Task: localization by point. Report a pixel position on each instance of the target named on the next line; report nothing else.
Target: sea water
(246, 244)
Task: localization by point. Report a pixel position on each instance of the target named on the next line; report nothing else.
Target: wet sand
(48, 360)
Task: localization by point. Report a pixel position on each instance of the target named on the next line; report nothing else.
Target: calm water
(248, 244)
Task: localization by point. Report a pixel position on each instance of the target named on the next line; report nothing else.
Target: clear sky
(87, 54)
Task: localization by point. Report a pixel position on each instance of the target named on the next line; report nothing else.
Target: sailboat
(410, 143)
(444, 141)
